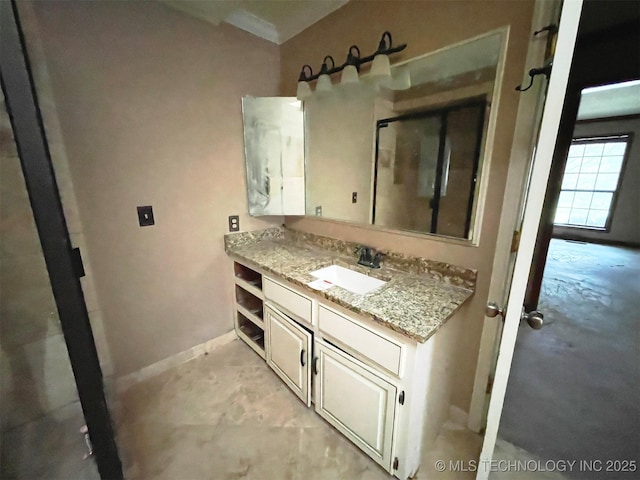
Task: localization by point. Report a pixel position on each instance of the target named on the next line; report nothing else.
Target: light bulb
(350, 75)
(381, 67)
(324, 84)
(304, 90)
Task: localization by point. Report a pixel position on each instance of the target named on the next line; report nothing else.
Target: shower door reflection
(426, 166)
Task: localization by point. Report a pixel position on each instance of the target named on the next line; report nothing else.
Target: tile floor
(50, 447)
(227, 416)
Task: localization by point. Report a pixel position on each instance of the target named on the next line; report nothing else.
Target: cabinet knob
(303, 358)
(315, 365)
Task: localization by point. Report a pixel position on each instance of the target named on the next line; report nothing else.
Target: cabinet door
(274, 155)
(289, 352)
(358, 403)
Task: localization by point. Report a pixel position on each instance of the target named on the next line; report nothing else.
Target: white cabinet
(358, 403)
(248, 311)
(289, 352)
(274, 155)
(290, 301)
(385, 392)
(360, 340)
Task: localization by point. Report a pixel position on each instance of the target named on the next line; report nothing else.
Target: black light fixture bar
(354, 59)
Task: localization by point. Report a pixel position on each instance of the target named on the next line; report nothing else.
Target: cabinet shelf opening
(249, 301)
(251, 330)
(248, 275)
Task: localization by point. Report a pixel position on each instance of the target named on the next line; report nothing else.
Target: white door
(356, 402)
(288, 348)
(533, 208)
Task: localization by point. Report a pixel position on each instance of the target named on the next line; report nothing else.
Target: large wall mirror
(408, 154)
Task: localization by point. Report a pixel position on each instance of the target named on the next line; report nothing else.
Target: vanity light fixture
(351, 67)
(304, 90)
(380, 68)
(324, 80)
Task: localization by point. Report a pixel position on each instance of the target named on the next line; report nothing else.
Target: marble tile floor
(50, 447)
(227, 416)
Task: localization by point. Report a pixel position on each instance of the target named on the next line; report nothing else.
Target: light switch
(145, 216)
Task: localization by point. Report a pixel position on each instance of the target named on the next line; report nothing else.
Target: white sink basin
(348, 279)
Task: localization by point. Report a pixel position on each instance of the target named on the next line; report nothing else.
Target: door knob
(493, 310)
(535, 319)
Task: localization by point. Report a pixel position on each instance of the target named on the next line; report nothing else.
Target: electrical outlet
(145, 216)
(319, 211)
(354, 197)
(234, 223)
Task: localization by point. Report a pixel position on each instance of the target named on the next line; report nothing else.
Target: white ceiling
(273, 20)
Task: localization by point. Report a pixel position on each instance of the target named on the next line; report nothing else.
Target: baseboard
(127, 381)
(458, 419)
(458, 415)
(576, 237)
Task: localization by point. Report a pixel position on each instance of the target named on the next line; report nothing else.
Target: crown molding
(253, 24)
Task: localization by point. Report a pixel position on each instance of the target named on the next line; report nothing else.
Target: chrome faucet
(368, 258)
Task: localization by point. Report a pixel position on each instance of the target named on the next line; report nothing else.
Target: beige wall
(425, 27)
(625, 227)
(149, 107)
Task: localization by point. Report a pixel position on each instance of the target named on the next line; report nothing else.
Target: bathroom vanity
(376, 366)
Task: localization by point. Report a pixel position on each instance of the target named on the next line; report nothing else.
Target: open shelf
(248, 275)
(249, 301)
(256, 316)
(249, 288)
(249, 307)
(251, 333)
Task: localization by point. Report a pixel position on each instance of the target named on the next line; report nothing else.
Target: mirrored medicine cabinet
(406, 154)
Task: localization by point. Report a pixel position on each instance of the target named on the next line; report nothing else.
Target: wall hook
(534, 72)
(552, 28)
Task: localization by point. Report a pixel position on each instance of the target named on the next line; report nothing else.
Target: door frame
(613, 69)
(535, 196)
(28, 129)
(618, 54)
(525, 136)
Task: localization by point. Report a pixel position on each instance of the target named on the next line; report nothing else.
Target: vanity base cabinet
(289, 352)
(356, 402)
(387, 394)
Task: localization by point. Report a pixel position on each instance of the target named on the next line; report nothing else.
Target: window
(590, 182)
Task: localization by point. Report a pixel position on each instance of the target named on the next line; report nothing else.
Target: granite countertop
(420, 296)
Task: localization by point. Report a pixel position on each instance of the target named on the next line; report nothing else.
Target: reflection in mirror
(410, 150)
(426, 168)
(274, 155)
